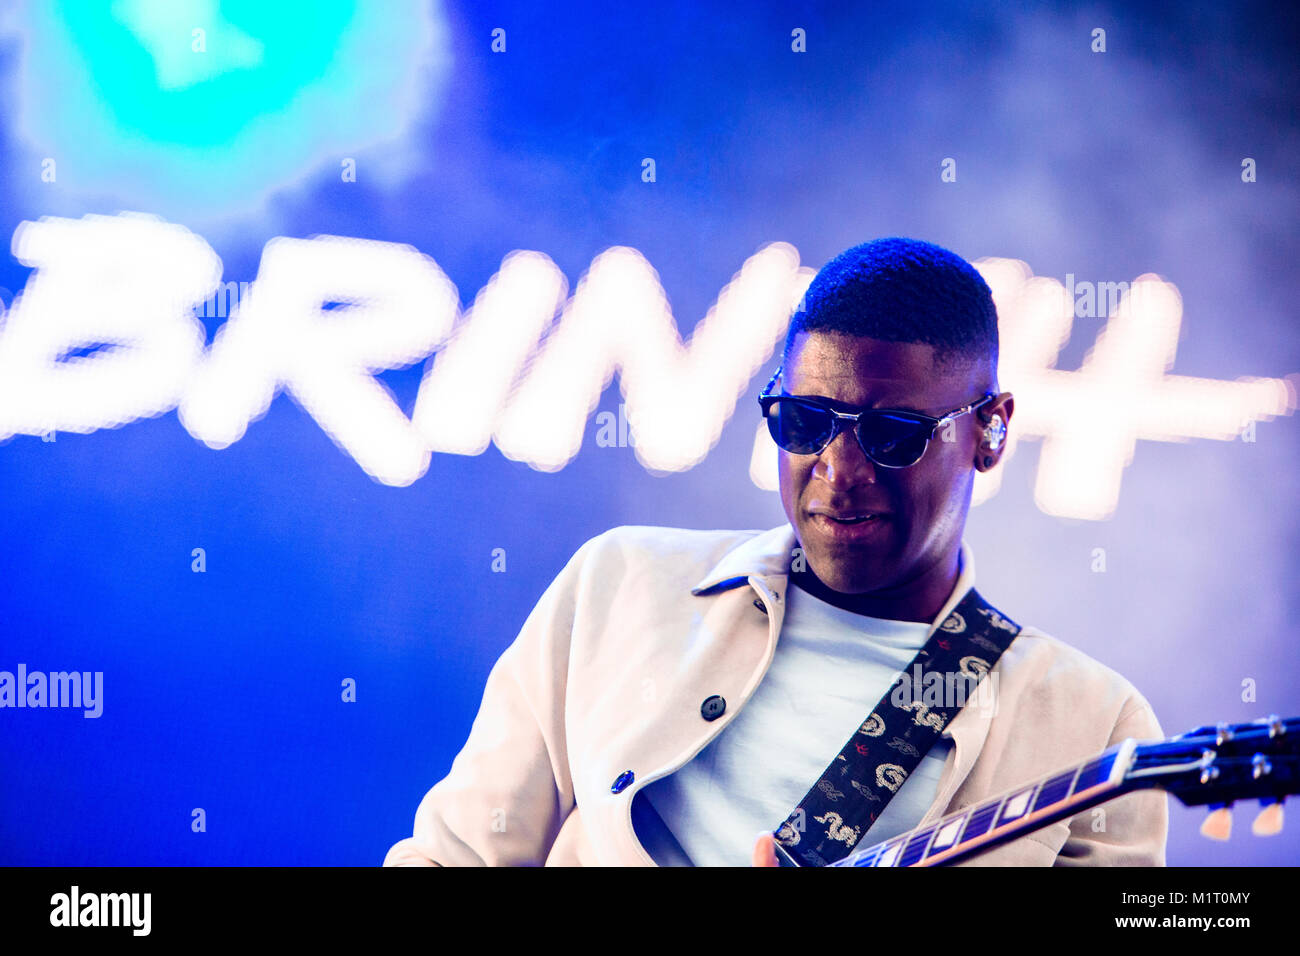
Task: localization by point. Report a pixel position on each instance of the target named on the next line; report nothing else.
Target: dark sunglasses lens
(893, 441)
(799, 428)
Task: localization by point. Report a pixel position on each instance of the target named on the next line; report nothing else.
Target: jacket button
(621, 782)
(758, 603)
(713, 707)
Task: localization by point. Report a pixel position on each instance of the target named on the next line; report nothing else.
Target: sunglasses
(892, 438)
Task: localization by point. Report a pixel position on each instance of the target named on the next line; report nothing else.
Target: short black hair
(903, 290)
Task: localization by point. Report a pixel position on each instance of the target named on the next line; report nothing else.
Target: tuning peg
(1269, 821)
(1218, 824)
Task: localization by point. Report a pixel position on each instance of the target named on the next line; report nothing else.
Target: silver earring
(995, 433)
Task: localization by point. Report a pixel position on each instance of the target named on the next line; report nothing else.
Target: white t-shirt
(830, 668)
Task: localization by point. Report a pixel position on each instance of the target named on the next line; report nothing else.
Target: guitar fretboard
(984, 825)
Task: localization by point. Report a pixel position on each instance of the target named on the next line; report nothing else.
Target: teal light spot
(159, 25)
(205, 106)
(213, 95)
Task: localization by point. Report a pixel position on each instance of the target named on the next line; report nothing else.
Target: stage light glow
(201, 109)
(678, 396)
(469, 381)
(131, 282)
(119, 281)
(1090, 420)
(397, 306)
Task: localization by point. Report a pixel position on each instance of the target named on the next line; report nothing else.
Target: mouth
(848, 524)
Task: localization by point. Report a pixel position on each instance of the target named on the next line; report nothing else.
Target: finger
(765, 850)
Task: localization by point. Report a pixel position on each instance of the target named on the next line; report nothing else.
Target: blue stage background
(222, 688)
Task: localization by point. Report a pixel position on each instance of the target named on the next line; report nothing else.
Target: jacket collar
(767, 554)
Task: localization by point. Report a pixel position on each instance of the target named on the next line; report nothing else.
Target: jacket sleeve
(509, 789)
(1128, 831)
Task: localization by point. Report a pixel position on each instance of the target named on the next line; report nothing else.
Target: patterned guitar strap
(833, 816)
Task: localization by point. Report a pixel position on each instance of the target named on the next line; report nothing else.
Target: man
(675, 692)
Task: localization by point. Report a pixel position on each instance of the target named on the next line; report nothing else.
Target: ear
(988, 452)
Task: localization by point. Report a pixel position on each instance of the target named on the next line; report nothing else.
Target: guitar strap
(864, 776)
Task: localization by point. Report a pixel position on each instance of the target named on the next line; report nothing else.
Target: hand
(765, 850)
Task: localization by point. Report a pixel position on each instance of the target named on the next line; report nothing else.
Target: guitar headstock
(1216, 765)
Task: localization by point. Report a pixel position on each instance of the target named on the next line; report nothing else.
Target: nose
(843, 464)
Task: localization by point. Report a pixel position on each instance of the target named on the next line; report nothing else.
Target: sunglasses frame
(844, 420)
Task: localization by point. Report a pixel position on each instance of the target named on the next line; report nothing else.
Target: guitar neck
(1015, 813)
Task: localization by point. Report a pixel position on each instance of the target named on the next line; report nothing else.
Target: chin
(852, 585)
(846, 573)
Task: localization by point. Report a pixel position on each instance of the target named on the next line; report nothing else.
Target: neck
(919, 600)
(978, 828)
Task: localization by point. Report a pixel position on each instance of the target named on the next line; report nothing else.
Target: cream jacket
(644, 624)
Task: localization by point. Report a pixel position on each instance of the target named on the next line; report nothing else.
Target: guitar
(1211, 765)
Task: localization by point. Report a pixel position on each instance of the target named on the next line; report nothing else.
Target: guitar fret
(869, 857)
(952, 832)
(1093, 773)
(1056, 789)
(916, 847)
(978, 821)
(947, 833)
(889, 852)
(981, 820)
(1015, 805)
